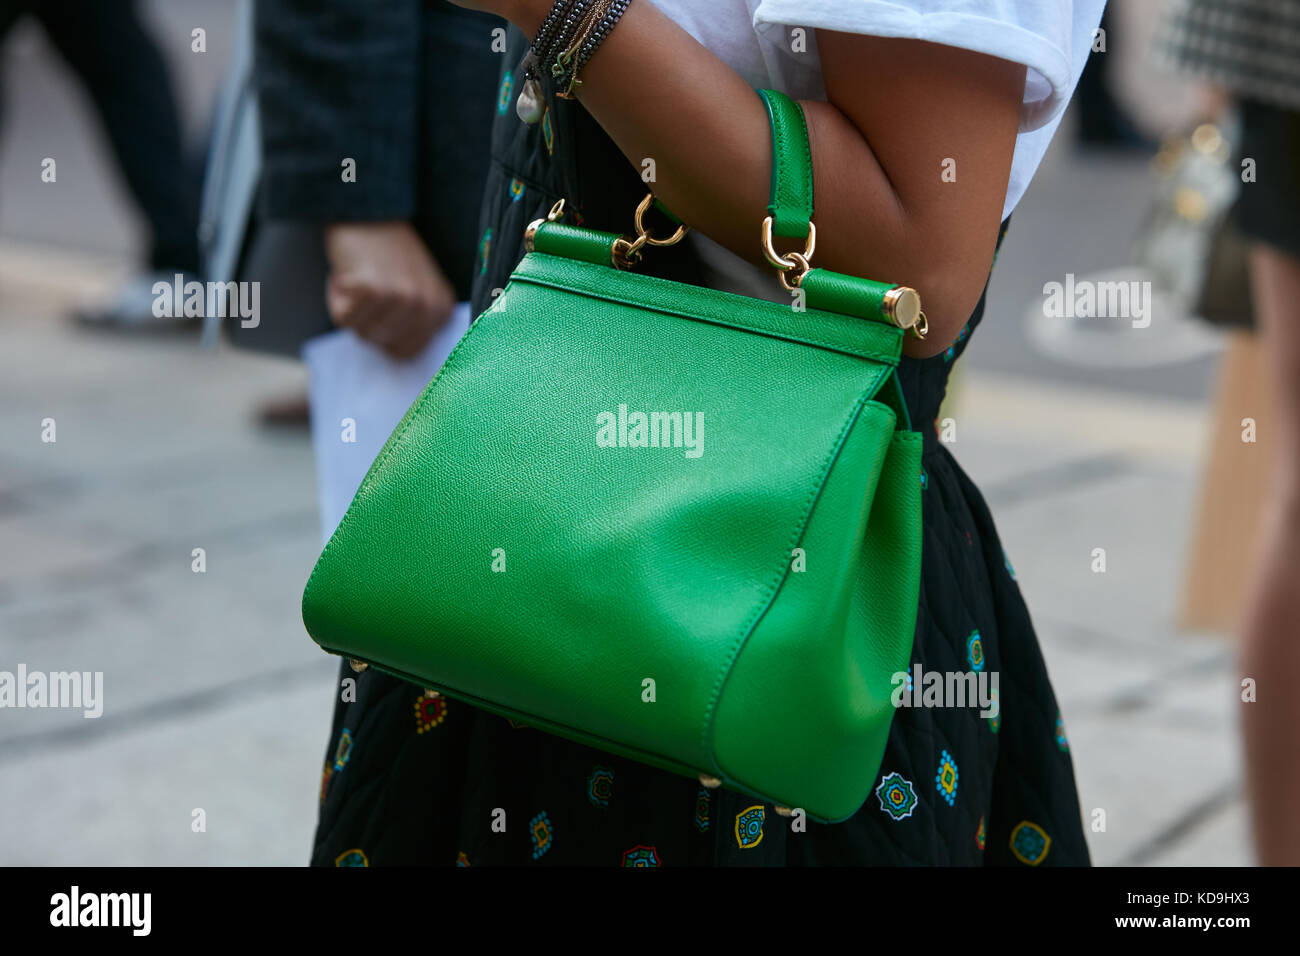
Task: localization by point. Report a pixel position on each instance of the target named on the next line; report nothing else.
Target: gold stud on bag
(902, 305)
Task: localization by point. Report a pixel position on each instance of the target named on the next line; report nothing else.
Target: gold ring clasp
(643, 233)
(791, 279)
(800, 261)
(626, 252)
(530, 234)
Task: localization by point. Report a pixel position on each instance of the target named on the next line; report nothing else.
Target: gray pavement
(1151, 712)
(214, 696)
(217, 700)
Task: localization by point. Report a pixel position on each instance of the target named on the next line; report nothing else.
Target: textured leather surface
(575, 242)
(842, 333)
(806, 706)
(837, 292)
(791, 206)
(630, 563)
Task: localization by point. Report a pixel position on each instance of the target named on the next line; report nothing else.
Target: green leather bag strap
(790, 214)
(791, 206)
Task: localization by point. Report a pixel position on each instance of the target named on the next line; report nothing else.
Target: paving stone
(254, 767)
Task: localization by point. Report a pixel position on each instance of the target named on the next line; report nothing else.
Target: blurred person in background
(123, 72)
(1103, 122)
(1250, 50)
(388, 86)
(404, 88)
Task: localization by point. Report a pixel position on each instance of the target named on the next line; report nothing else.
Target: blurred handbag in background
(1189, 241)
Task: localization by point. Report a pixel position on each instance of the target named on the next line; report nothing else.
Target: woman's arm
(897, 110)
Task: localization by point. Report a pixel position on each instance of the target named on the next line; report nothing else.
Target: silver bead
(530, 106)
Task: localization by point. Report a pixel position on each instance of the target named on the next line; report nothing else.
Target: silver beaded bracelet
(569, 35)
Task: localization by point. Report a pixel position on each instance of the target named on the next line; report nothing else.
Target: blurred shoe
(1102, 337)
(140, 305)
(291, 412)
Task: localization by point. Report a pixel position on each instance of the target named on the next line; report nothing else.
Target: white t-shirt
(1051, 37)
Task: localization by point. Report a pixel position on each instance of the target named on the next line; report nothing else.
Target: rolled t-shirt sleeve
(1050, 37)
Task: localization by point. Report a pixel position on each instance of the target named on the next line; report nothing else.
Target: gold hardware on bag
(791, 282)
(902, 306)
(557, 211)
(639, 218)
(626, 252)
(357, 666)
(800, 261)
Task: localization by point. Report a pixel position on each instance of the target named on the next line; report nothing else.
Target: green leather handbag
(672, 523)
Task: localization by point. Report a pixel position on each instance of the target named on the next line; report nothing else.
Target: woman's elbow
(949, 295)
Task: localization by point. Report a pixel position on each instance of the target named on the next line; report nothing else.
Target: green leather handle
(791, 209)
(848, 295)
(791, 206)
(574, 242)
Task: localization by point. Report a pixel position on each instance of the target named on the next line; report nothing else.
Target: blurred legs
(1270, 650)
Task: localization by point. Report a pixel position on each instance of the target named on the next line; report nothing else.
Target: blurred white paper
(352, 379)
